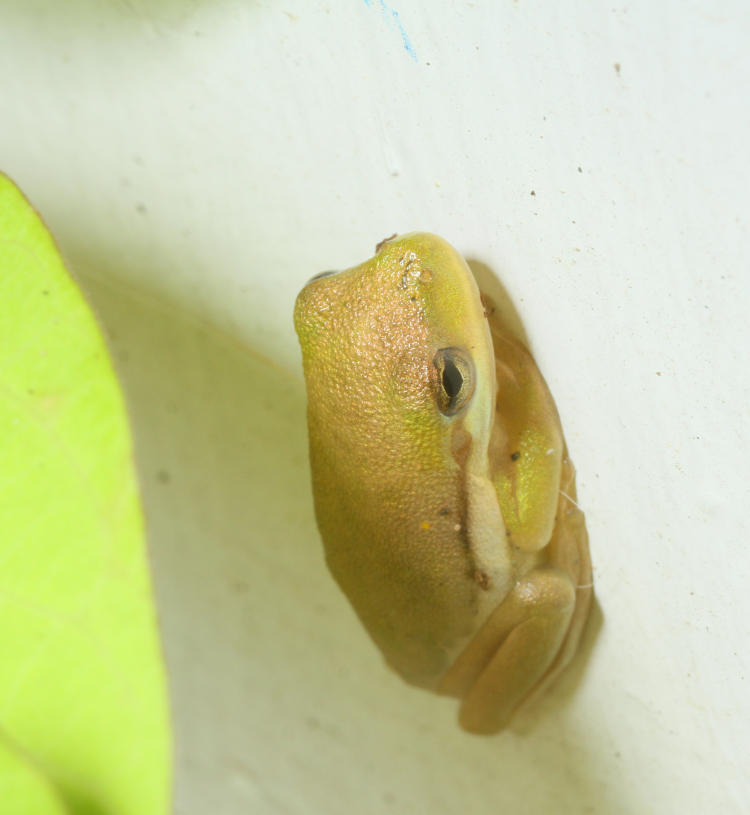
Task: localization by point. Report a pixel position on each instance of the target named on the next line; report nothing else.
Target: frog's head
(398, 354)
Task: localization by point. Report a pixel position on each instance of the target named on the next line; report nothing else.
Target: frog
(442, 487)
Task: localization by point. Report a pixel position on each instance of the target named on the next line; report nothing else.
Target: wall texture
(198, 161)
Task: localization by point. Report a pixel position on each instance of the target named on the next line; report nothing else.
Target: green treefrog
(443, 490)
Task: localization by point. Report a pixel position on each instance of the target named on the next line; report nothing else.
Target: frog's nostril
(319, 275)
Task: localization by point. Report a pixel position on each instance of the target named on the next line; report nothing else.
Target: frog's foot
(513, 650)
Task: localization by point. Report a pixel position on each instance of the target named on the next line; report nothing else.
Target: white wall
(198, 161)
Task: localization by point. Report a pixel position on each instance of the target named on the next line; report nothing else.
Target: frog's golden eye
(452, 380)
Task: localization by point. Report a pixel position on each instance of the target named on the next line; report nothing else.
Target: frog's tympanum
(443, 490)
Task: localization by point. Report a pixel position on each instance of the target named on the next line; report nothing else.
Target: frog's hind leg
(569, 551)
(513, 650)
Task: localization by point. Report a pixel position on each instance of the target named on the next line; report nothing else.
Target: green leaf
(23, 789)
(83, 713)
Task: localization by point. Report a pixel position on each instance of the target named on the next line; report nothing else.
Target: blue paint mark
(392, 19)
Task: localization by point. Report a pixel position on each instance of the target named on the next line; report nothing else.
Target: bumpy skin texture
(448, 518)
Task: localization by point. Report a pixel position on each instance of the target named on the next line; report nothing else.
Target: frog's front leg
(512, 651)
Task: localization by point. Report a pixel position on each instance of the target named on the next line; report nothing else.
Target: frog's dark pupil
(452, 379)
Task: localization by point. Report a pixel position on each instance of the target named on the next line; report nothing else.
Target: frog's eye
(453, 379)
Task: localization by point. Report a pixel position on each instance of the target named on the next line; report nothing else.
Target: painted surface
(392, 19)
(198, 161)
